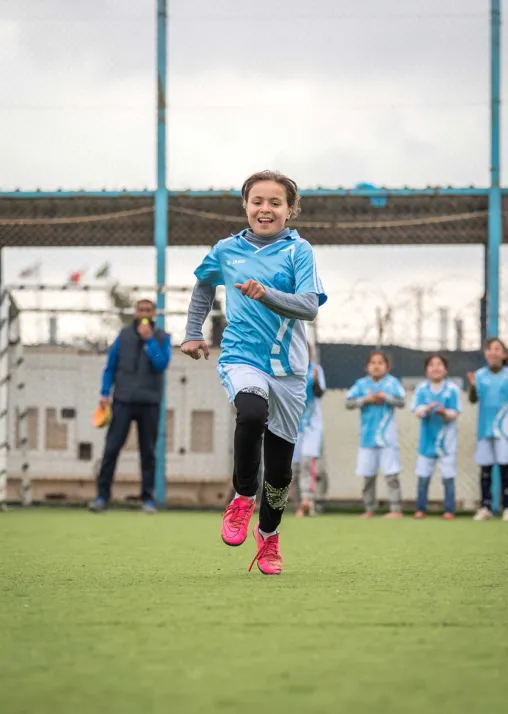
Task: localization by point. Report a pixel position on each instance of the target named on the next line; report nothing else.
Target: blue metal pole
(339, 192)
(161, 232)
(495, 209)
(495, 200)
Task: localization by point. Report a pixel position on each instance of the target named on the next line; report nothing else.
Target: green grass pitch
(125, 613)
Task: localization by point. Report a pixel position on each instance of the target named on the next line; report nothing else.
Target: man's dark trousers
(146, 417)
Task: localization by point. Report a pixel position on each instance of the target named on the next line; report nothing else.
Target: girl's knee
(251, 410)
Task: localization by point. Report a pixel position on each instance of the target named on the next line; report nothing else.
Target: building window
(202, 431)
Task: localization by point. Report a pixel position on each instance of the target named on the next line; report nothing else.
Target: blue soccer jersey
(437, 436)
(377, 424)
(312, 416)
(492, 389)
(254, 334)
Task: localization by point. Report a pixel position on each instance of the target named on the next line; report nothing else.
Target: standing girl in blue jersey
(310, 440)
(489, 387)
(272, 285)
(377, 396)
(437, 403)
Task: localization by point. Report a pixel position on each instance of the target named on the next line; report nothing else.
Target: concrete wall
(62, 388)
(65, 449)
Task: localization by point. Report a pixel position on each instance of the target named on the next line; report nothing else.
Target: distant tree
(120, 301)
(123, 300)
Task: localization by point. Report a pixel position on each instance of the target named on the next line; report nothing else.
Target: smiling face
(436, 370)
(267, 208)
(495, 354)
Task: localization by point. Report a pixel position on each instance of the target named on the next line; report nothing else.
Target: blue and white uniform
(379, 448)
(492, 431)
(438, 438)
(263, 352)
(310, 435)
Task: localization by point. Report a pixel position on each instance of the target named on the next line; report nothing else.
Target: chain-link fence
(403, 272)
(49, 447)
(328, 218)
(64, 450)
(409, 301)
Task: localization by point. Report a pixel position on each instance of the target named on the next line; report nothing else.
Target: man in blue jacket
(135, 369)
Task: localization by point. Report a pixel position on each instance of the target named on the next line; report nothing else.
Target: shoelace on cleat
(236, 513)
(268, 550)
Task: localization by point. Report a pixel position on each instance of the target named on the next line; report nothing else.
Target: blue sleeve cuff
(159, 354)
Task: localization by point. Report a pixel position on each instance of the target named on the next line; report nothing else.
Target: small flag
(75, 278)
(31, 271)
(103, 271)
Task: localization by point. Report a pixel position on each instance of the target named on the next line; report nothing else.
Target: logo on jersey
(235, 262)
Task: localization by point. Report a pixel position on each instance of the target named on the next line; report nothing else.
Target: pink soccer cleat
(268, 556)
(236, 519)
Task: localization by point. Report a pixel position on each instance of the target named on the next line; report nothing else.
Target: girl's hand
(379, 398)
(471, 378)
(369, 399)
(251, 289)
(440, 411)
(194, 347)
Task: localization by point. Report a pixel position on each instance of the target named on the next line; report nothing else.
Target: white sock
(238, 495)
(267, 535)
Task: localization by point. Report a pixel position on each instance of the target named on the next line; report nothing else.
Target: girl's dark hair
(379, 353)
(488, 343)
(491, 341)
(429, 359)
(292, 195)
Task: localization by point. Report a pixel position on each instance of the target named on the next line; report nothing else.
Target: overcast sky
(333, 92)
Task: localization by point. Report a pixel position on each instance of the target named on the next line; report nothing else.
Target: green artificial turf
(130, 613)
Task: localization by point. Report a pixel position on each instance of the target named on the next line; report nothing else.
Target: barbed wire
(84, 287)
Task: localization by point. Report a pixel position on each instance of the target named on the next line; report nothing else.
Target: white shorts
(425, 465)
(384, 459)
(308, 444)
(491, 451)
(286, 395)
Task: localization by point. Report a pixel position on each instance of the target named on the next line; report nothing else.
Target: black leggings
(251, 418)
(486, 485)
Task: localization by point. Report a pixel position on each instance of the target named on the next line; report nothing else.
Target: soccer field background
(127, 613)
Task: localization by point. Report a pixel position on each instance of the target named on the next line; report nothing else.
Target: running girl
(272, 285)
